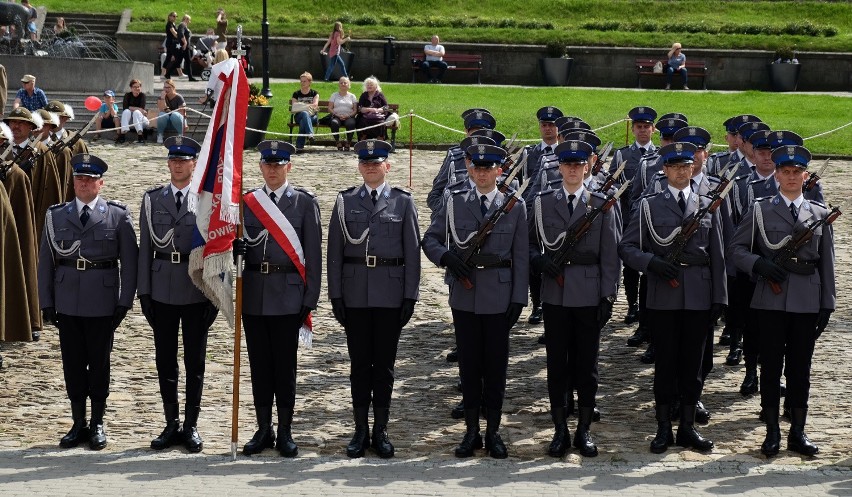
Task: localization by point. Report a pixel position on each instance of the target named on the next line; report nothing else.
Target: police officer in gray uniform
(487, 293)
(279, 290)
(684, 294)
(169, 299)
(86, 282)
(718, 161)
(794, 296)
(373, 265)
(575, 311)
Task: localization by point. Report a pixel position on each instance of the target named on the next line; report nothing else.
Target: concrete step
(104, 24)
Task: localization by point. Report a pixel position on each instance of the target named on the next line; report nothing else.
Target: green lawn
(515, 108)
(766, 24)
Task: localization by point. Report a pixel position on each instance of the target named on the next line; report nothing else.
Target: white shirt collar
(649, 147)
(278, 192)
(379, 190)
(577, 194)
(91, 204)
(797, 202)
(686, 192)
(175, 189)
(489, 196)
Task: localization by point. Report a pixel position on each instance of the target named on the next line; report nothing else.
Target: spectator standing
(134, 112)
(29, 96)
(173, 46)
(677, 63)
(185, 38)
(343, 107)
(221, 29)
(172, 109)
(372, 109)
(332, 45)
(434, 58)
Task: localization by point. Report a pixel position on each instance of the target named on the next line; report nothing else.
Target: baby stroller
(202, 57)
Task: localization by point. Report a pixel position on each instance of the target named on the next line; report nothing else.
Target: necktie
(273, 197)
(794, 212)
(84, 216)
(681, 202)
(548, 150)
(571, 204)
(178, 197)
(482, 207)
(374, 196)
(642, 150)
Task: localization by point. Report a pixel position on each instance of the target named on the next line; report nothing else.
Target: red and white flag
(216, 187)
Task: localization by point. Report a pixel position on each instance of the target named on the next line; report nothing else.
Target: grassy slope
(515, 107)
(565, 16)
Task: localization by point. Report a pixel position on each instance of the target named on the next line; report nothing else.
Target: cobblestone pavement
(35, 411)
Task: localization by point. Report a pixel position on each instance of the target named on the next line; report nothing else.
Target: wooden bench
(695, 69)
(323, 111)
(472, 63)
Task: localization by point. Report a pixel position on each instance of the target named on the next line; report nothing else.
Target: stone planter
(258, 118)
(556, 71)
(784, 76)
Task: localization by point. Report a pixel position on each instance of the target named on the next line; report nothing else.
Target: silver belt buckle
(81, 264)
(371, 261)
(795, 259)
(264, 268)
(175, 257)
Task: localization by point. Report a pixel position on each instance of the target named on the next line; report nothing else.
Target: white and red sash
(279, 227)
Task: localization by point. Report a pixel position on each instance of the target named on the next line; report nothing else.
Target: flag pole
(238, 318)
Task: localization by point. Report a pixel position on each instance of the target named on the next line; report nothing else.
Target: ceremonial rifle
(503, 184)
(509, 201)
(599, 162)
(581, 228)
(58, 145)
(788, 252)
(610, 181)
(814, 176)
(692, 223)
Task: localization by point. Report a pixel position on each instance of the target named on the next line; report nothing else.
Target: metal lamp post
(266, 92)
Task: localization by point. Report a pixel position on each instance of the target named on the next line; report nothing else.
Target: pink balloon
(93, 103)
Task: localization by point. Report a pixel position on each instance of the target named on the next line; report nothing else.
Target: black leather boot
(638, 337)
(664, 436)
(582, 437)
(649, 356)
(493, 443)
(264, 437)
(797, 441)
(702, 414)
(735, 353)
(632, 313)
(772, 443)
(472, 439)
(97, 437)
(458, 411)
(285, 445)
(361, 439)
(191, 439)
(726, 336)
(536, 315)
(561, 436)
(453, 355)
(751, 383)
(79, 430)
(380, 443)
(687, 436)
(172, 434)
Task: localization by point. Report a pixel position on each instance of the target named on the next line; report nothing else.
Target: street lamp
(266, 92)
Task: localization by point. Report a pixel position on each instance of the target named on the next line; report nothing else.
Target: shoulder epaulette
(155, 188)
(660, 173)
(348, 189)
(251, 190)
(712, 179)
(305, 191)
(117, 204)
(762, 199)
(462, 190)
(401, 190)
(58, 206)
(545, 192)
(720, 154)
(651, 194)
(817, 203)
(742, 177)
(756, 181)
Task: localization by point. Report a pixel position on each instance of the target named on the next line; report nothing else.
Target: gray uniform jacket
(536, 157)
(632, 155)
(649, 167)
(585, 283)
(453, 161)
(393, 234)
(701, 285)
(107, 237)
(493, 288)
(283, 293)
(750, 188)
(799, 292)
(166, 279)
(718, 160)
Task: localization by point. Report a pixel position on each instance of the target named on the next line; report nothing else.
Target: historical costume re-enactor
(487, 292)
(14, 312)
(576, 310)
(794, 293)
(685, 293)
(49, 134)
(169, 300)
(373, 264)
(281, 286)
(66, 113)
(86, 284)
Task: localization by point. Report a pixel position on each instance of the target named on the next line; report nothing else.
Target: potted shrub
(784, 70)
(259, 114)
(556, 66)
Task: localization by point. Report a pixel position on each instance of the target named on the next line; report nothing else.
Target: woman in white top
(343, 107)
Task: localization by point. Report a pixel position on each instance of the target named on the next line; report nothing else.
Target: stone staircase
(104, 24)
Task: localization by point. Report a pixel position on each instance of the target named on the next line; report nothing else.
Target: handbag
(325, 120)
(297, 107)
(658, 67)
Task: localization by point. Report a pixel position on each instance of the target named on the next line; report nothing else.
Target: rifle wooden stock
(585, 226)
(481, 235)
(789, 249)
(689, 229)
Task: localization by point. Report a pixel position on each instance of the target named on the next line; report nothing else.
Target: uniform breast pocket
(553, 228)
(357, 223)
(391, 225)
(502, 235)
(465, 228)
(161, 219)
(106, 238)
(64, 237)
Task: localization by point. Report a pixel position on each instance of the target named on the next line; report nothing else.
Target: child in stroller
(202, 57)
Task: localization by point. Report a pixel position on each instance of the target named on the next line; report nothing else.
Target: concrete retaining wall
(88, 75)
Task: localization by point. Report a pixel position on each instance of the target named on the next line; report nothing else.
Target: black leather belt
(84, 265)
(267, 268)
(686, 260)
(488, 261)
(373, 261)
(174, 257)
(582, 260)
(797, 266)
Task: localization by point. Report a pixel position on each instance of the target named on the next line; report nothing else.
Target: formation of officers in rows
(543, 220)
